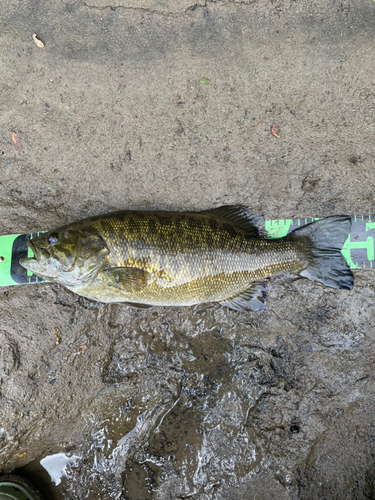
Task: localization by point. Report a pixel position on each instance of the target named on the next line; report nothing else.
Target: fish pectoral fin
(240, 217)
(127, 278)
(252, 299)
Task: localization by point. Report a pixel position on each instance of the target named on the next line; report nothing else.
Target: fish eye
(53, 238)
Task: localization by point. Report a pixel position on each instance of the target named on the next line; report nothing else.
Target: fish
(160, 258)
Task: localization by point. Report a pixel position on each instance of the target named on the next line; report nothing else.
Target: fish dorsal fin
(252, 299)
(127, 278)
(240, 217)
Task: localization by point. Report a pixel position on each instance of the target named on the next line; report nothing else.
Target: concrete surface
(169, 105)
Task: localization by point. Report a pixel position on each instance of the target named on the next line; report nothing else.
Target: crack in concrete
(147, 10)
(190, 8)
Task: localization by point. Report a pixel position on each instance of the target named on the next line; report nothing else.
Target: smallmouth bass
(174, 258)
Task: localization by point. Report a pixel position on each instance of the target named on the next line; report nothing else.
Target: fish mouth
(43, 263)
(40, 254)
(33, 248)
(37, 263)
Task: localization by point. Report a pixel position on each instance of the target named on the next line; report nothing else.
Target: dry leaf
(16, 142)
(276, 130)
(37, 41)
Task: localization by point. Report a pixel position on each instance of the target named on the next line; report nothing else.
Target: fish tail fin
(323, 241)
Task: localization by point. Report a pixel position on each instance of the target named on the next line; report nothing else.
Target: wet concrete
(170, 105)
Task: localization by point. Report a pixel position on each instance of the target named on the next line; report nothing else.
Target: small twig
(182, 128)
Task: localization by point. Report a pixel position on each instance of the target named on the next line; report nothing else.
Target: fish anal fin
(252, 299)
(127, 278)
(241, 217)
(139, 306)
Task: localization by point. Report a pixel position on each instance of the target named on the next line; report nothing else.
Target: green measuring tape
(358, 249)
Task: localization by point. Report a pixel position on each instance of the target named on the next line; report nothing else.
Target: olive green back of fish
(184, 258)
